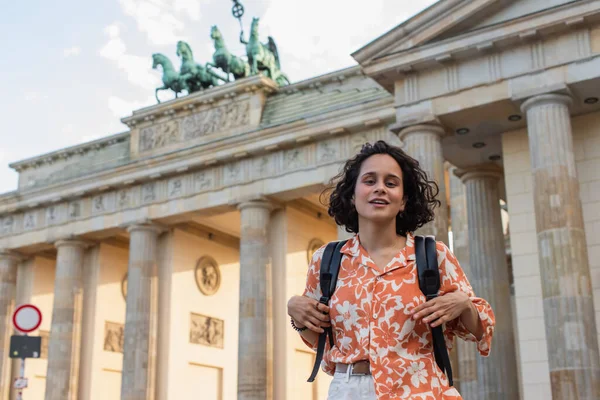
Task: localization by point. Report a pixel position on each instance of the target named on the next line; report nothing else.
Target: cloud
(138, 69)
(33, 96)
(72, 51)
(328, 37)
(156, 19)
(121, 107)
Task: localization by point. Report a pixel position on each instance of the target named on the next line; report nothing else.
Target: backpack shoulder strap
(429, 282)
(328, 274)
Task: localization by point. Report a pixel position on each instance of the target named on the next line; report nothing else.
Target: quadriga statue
(263, 57)
(196, 76)
(223, 59)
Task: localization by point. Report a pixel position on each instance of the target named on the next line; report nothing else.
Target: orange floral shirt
(370, 315)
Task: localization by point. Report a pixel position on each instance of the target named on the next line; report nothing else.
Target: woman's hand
(442, 309)
(308, 312)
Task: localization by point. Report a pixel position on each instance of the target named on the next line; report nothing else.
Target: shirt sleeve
(313, 290)
(452, 279)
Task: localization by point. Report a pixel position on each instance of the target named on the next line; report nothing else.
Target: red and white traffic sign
(27, 318)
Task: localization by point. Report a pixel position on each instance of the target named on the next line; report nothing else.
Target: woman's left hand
(442, 309)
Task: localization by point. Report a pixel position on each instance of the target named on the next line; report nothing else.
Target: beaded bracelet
(295, 327)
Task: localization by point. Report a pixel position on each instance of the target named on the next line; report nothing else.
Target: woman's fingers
(427, 309)
(319, 315)
(322, 308)
(313, 328)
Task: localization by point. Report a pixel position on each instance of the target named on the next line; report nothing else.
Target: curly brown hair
(419, 192)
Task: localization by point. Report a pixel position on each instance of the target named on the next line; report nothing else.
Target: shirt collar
(353, 247)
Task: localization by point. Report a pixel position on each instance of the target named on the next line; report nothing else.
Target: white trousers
(351, 387)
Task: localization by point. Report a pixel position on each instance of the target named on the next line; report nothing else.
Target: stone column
(566, 286)
(91, 271)
(278, 239)
(466, 364)
(424, 143)
(8, 288)
(496, 375)
(65, 331)
(139, 358)
(163, 347)
(255, 321)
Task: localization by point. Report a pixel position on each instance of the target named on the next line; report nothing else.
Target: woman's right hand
(308, 312)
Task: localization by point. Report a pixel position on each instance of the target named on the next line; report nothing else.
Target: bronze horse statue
(223, 59)
(263, 57)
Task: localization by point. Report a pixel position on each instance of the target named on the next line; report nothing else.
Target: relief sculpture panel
(215, 120)
(207, 331)
(158, 136)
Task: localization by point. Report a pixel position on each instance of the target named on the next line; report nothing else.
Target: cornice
(403, 32)
(484, 39)
(68, 152)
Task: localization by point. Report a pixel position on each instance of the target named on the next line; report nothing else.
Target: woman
(379, 315)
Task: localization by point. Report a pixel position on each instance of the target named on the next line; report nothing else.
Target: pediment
(447, 19)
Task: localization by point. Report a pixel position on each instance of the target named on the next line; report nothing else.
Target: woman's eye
(391, 184)
(369, 181)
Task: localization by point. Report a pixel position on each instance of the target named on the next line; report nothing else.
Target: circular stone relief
(314, 245)
(208, 276)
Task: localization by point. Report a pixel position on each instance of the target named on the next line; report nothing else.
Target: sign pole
(26, 319)
(20, 392)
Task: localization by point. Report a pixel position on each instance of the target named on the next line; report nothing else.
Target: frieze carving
(206, 122)
(158, 136)
(149, 192)
(204, 180)
(215, 120)
(328, 151)
(51, 215)
(357, 142)
(98, 204)
(233, 173)
(29, 220)
(124, 198)
(293, 159)
(175, 187)
(74, 209)
(261, 167)
(207, 331)
(7, 225)
(114, 335)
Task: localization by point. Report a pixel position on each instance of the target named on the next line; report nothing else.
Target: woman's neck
(378, 237)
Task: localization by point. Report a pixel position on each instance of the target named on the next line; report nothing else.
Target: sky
(71, 72)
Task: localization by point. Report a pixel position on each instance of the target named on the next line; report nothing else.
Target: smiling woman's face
(379, 193)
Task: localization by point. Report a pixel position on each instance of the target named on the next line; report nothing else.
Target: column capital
(548, 98)
(146, 225)
(488, 170)
(73, 242)
(258, 203)
(12, 255)
(421, 128)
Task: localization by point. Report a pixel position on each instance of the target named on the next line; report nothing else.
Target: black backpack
(429, 282)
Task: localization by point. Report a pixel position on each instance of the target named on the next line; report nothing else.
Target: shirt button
(374, 315)
(378, 278)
